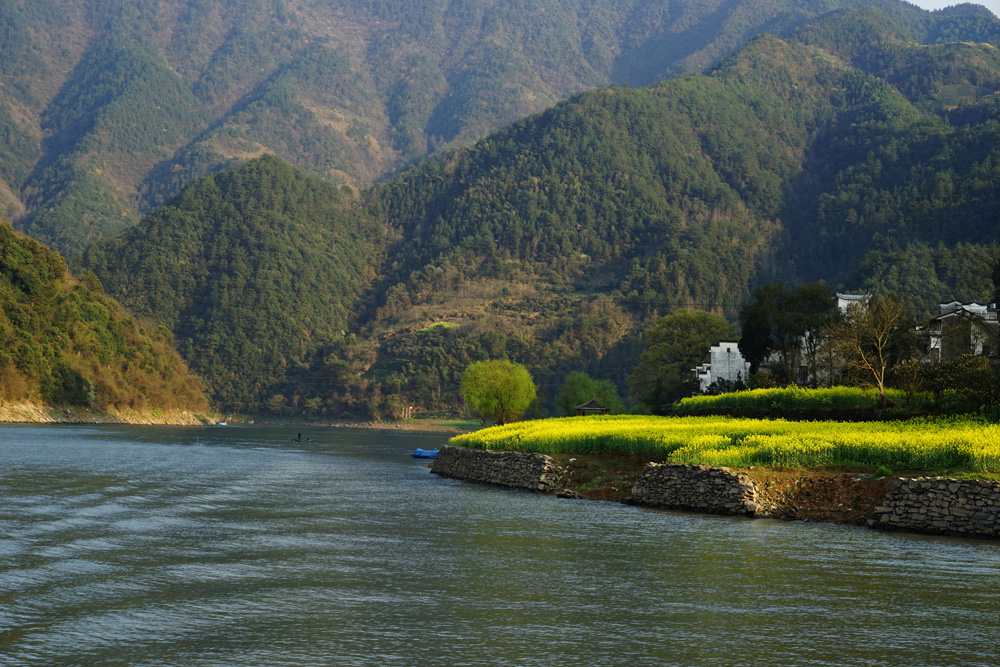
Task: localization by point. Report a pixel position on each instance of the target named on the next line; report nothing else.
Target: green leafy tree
(276, 403)
(498, 390)
(971, 378)
(580, 388)
(674, 346)
(313, 406)
(787, 321)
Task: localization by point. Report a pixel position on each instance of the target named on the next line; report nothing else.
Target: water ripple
(227, 547)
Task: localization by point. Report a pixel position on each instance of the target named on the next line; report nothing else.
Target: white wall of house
(726, 363)
(974, 324)
(844, 300)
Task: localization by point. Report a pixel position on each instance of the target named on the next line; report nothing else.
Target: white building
(844, 300)
(973, 308)
(726, 363)
(961, 328)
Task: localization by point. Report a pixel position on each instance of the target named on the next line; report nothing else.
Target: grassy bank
(932, 445)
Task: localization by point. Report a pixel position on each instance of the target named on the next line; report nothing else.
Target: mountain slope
(108, 108)
(558, 239)
(62, 341)
(902, 193)
(253, 269)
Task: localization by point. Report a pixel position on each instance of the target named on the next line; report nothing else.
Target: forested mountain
(556, 240)
(784, 162)
(903, 193)
(253, 269)
(108, 107)
(63, 341)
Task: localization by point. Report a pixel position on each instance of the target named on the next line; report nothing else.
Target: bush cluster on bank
(840, 402)
(798, 398)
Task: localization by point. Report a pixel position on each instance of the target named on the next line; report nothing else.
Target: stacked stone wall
(932, 505)
(696, 489)
(942, 506)
(522, 470)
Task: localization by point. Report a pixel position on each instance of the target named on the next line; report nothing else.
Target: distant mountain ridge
(556, 240)
(108, 107)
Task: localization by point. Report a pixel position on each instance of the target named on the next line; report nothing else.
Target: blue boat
(424, 453)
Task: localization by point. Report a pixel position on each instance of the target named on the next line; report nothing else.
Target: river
(238, 547)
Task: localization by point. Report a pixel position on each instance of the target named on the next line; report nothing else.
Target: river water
(235, 546)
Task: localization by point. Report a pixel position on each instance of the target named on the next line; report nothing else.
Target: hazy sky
(992, 5)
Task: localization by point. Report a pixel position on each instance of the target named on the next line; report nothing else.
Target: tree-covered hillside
(253, 269)
(107, 108)
(556, 241)
(62, 341)
(784, 162)
(902, 194)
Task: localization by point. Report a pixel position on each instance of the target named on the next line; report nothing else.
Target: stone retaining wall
(941, 506)
(696, 489)
(522, 470)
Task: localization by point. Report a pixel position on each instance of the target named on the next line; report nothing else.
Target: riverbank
(846, 497)
(444, 426)
(916, 503)
(829, 495)
(36, 413)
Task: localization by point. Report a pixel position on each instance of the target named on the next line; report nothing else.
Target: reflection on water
(236, 546)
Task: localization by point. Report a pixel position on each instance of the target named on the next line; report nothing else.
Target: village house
(726, 363)
(592, 407)
(845, 300)
(960, 329)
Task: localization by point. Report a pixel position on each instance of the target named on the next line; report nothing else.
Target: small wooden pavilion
(592, 407)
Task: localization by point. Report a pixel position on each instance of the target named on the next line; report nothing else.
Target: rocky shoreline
(846, 497)
(36, 413)
(930, 505)
(840, 497)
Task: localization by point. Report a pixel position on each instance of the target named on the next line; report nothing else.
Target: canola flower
(801, 397)
(925, 444)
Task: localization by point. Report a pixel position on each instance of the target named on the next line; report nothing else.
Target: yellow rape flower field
(801, 397)
(964, 444)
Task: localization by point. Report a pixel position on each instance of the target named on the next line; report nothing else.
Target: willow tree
(500, 391)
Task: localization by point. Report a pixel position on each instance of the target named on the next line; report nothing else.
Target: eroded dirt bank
(847, 497)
